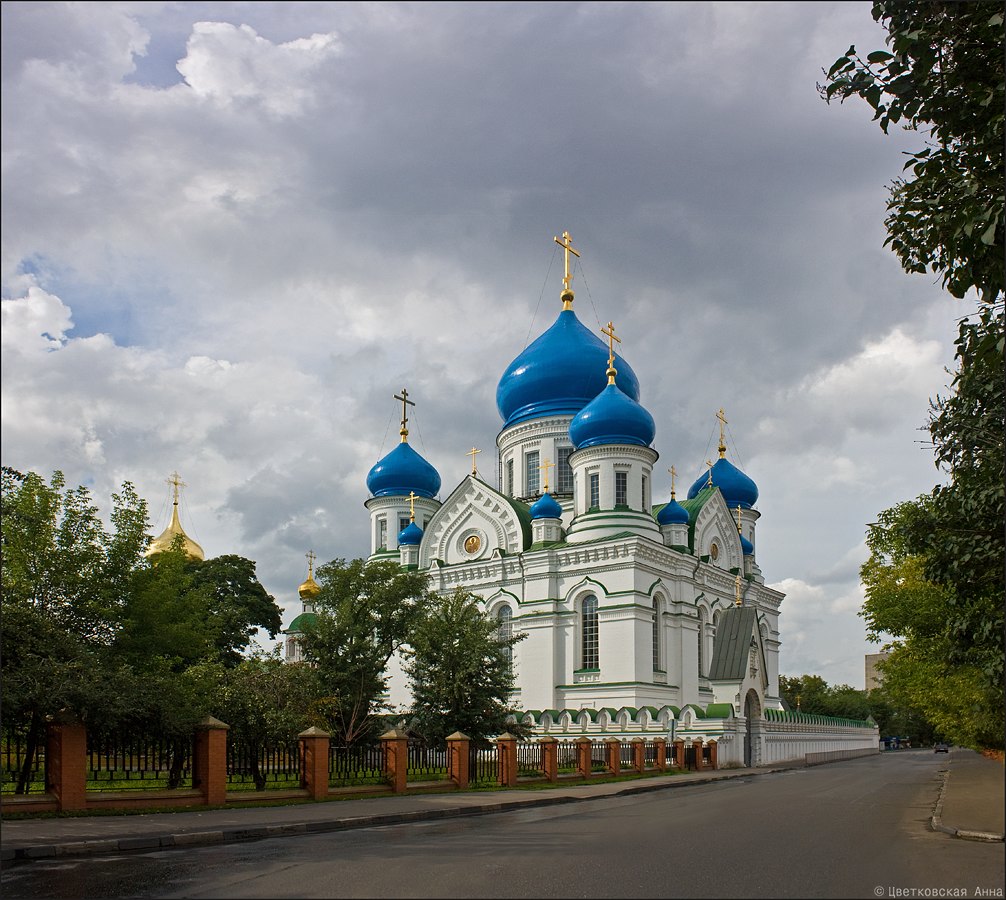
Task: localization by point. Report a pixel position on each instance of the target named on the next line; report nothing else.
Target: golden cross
(609, 330)
(472, 453)
(709, 482)
(546, 466)
(673, 472)
(176, 482)
(723, 421)
(412, 506)
(406, 403)
(738, 518)
(567, 245)
(310, 563)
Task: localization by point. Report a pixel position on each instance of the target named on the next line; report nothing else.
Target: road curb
(936, 821)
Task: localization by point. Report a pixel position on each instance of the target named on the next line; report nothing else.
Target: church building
(642, 614)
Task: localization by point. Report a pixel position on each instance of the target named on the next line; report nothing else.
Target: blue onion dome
(559, 374)
(546, 507)
(672, 513)
(401, 471)
(736, 487)
(612, 418)
(746, 546)
(410, 535)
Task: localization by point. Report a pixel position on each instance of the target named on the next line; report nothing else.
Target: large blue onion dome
(672, 513)
(736, 487)
(612, 418)
(559, 373)
(410, 536)
(546, 507)
(747, 548)
(401, 471)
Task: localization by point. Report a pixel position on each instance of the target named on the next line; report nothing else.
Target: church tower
(404, 488)
(308, 591)
(612, 463)
(541, 391)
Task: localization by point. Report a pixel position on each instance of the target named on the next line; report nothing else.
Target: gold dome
(166, 538)
(309, 589)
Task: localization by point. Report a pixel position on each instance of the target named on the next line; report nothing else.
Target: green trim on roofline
(719, 711)
(802, 718)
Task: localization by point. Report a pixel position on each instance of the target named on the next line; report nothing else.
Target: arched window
(703, 619)
(656, 635)
(504, 631)
(589, 658)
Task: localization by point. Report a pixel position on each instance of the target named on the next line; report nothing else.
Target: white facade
(638, 619)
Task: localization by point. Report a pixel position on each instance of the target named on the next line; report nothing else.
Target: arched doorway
(752, 713)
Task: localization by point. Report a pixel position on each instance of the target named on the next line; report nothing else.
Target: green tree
(237, 604)
(365, 613)
(265, 701)
(460, 670)
(63, 577)
(942, 74)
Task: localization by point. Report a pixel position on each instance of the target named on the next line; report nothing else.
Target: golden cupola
(310, 588)
(166, 538)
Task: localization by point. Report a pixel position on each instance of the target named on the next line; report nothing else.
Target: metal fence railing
(483, 764)
(530, 760)
(565, 752)
(426, 762)
(14, 752)
(356, 765)
(272, 765)
(119, 761)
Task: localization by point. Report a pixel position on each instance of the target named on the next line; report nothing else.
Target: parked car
(941, 748)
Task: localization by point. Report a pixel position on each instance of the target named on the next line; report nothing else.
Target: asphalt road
(851, 829)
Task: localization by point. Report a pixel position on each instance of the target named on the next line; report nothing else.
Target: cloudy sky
(232, 231)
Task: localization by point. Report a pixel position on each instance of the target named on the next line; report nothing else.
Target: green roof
(732, 643)
(297, 625)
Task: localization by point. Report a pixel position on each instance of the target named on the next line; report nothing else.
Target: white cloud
(229, 64)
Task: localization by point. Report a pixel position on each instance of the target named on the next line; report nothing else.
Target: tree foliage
(365, 612)
(265, 701)
(90, 625)
(934, 579)
(942, 74)
(236, 604)
(460, 670)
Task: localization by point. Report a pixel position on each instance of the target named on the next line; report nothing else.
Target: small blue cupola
(410, 535)
(547, 507)
(672, 513)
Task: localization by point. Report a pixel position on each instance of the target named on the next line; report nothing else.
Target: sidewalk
(970, 806)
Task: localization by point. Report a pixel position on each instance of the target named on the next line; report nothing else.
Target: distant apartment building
(874, 677)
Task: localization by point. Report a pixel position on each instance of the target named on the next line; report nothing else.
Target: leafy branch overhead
(942, 75)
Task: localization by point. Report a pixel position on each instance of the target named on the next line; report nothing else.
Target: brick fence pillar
(661, 750)
(584, 766)
(506, 746)
(700, 760)
(209, 761)
(396, 759)
(550, 758)
(639, 754)
(613, 755)
(679, 754)
(712, 755)
(314, 744)
(458, 745)
(66, 761)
